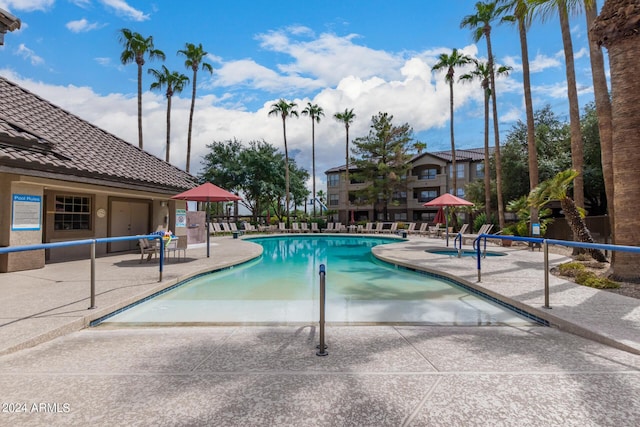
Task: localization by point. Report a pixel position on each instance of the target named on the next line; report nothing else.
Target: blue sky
(368, 55)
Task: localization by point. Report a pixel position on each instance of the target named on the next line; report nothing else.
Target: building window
(399, 196)
(426, 195)
(333, 180)
(428, 174)
(460, 168)
(334, 200)
(479, 170)
(72, 213)
(400, 216)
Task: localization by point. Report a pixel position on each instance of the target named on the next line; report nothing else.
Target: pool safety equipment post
(322, 348)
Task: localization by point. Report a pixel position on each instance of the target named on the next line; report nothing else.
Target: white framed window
(73, 213)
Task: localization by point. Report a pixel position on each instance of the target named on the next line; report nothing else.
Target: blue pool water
(283, 285)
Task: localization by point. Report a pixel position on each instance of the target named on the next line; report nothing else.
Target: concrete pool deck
(54, 371)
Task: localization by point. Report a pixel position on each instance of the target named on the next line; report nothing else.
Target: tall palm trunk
(618, 29)
(487, 174)
(496, 131)
(346, 175)
(313, 162)
(454, 170)
(531, 132)
(140, 104)
(168, 128)
(577, 156)
(193, 103)
(603, 110)
(286, 168)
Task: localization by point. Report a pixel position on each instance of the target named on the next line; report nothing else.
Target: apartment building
(429, 177)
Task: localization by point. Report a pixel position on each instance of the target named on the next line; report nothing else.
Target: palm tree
(557, 188)
(450, 62)
(481, 73)
(419, 146)
(315, 112)
(617, 28)
(603, 109)
(347, 117)
(545, 9)
(480, 23)
(520, 12)
(175, 83)
(194, 60)
(135, 49)
(284, 109)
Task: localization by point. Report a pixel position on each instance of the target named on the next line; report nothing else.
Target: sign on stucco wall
(26, 212)
(181, 218)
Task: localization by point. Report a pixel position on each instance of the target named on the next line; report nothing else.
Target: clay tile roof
(37, 135)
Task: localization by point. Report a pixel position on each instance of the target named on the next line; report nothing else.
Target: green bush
(590, 279)
(571, 269)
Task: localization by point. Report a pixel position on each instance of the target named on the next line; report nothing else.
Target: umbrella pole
(446, 222)
(207, 221)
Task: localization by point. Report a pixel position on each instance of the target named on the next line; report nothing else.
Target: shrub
(590, 279)
(571, 269)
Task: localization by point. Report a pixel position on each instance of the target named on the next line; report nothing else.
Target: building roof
(39, 137)
(462, 155)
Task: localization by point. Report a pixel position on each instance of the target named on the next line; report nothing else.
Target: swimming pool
(282, 287)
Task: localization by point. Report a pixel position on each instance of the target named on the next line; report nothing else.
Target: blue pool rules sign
(26, 212)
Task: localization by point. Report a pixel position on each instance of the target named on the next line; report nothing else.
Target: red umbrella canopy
(440, 218)
(207, 192)
(448, 200)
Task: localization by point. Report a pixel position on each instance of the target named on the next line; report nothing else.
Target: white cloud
(512, 115)
(514, 62)
(582, 53)
(81, 3)
(82, 26)
(329, 57)
(26, 5)
(122, 8)
(29, 54)
(542, 62)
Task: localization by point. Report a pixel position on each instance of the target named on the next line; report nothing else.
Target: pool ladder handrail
(455, 245)
(322, 347)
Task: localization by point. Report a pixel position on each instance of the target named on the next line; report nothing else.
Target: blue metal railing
(545, 245)
(92, 242)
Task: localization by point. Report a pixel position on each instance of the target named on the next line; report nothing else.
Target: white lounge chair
(392, 229)
(422, 231)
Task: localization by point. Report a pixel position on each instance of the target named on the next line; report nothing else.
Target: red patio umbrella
(440, 216)
(445, 201)
(207, 192)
